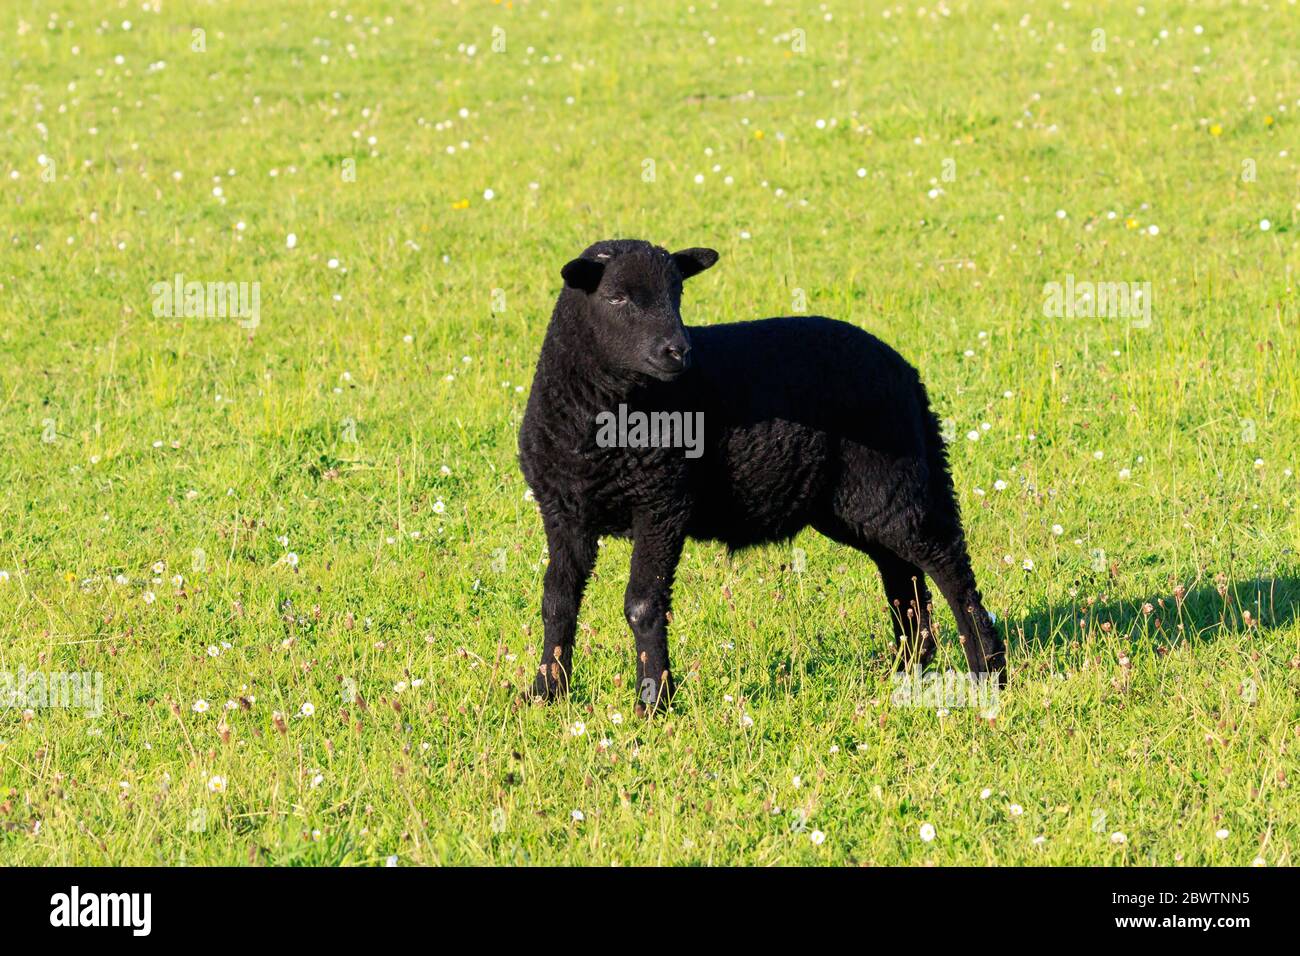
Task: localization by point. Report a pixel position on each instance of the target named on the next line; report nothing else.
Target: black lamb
(806, 421)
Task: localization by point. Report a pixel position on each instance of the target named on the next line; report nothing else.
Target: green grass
(1165, 454)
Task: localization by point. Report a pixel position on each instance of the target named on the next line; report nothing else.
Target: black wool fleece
(806, 421)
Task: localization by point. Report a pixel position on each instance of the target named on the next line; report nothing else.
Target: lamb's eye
(616, 299)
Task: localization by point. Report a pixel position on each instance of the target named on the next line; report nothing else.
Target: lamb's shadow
(1202, 612)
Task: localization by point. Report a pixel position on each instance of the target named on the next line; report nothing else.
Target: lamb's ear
(694, 261)
(583, 274)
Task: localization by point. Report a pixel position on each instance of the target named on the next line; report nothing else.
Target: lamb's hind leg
(906, 595)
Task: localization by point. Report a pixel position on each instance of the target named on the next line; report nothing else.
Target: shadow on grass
(1200, 612)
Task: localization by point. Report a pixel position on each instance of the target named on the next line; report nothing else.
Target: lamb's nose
(678, 354)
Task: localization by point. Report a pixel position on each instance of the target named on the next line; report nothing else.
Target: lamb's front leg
(655, 553)
(572, 555)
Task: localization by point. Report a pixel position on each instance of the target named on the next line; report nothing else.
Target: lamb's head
(629, 295)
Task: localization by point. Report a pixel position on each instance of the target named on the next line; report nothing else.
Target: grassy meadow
(296, 548)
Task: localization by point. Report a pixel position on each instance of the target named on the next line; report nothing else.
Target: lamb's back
(782, 400)
(823, 374)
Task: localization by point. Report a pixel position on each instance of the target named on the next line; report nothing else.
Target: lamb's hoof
(655, 696)
(913, 665)
(548, 688)
(914, 654)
